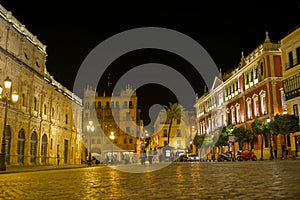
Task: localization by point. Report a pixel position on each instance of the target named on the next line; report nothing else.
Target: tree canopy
(286, 124)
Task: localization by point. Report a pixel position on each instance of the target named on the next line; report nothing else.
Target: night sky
(71, 31)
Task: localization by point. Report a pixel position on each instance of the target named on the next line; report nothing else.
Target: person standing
(58, 159)
(275, 150)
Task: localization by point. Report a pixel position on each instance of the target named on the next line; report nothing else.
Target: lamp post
(90, 128)
(7, 97)
(112, 137)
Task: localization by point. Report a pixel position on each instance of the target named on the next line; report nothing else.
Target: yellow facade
(46, 122)
(290, 47)
(117, 114)
(180, 136)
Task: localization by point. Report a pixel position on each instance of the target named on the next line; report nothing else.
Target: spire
(267, 37)
(108, 84)
(205, 89)
(220, 73)
(242, 62)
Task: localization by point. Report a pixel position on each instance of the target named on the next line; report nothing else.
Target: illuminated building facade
(113, 116)
(45, 125)
(290, 47)
(250, 91)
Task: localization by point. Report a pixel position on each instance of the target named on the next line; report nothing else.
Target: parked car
(182, 158)
(193, 158)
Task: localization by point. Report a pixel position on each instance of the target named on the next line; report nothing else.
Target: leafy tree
(174, 112)
(285, 124)
(198, 141)
(260, 128)
(243, 135)
(222, 140)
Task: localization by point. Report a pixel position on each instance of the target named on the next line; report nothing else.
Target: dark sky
(225, 30)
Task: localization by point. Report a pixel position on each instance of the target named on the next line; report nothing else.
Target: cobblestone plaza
(206, 180)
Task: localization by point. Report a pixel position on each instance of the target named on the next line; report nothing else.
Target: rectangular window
(232, 116)
(165, 133)
(255, 107)
(249, 109)
(238, 114)
(263, 104)
(127, 129)
(295, 110)
(125, 141)
(290, 57)
(298, 55)
(130, 140)
(127, 116)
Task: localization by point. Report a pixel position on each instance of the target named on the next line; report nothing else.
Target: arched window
(20, 147)
(33, 145)
(44, 148)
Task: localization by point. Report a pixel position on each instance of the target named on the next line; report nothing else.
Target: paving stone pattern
(212, 180)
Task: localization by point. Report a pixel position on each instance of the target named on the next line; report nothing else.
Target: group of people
(152, 156)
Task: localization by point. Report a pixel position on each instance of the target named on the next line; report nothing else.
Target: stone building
(45, 125)
(116, 115)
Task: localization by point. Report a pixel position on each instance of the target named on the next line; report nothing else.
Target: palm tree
(174, 112)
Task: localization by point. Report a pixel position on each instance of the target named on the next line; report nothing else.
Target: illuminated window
(232, 115)
(237, 110)
(255, 105)
(249, 108)
(263, 102)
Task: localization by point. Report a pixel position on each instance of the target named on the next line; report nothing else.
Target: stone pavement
(30, 168)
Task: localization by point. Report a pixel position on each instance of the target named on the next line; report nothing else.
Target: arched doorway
(20, 147)
(33, 145)
(44, 148)
(7, 143)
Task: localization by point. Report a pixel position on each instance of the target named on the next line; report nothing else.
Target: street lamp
(90, 128)
(112, 137)
(8, 97)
